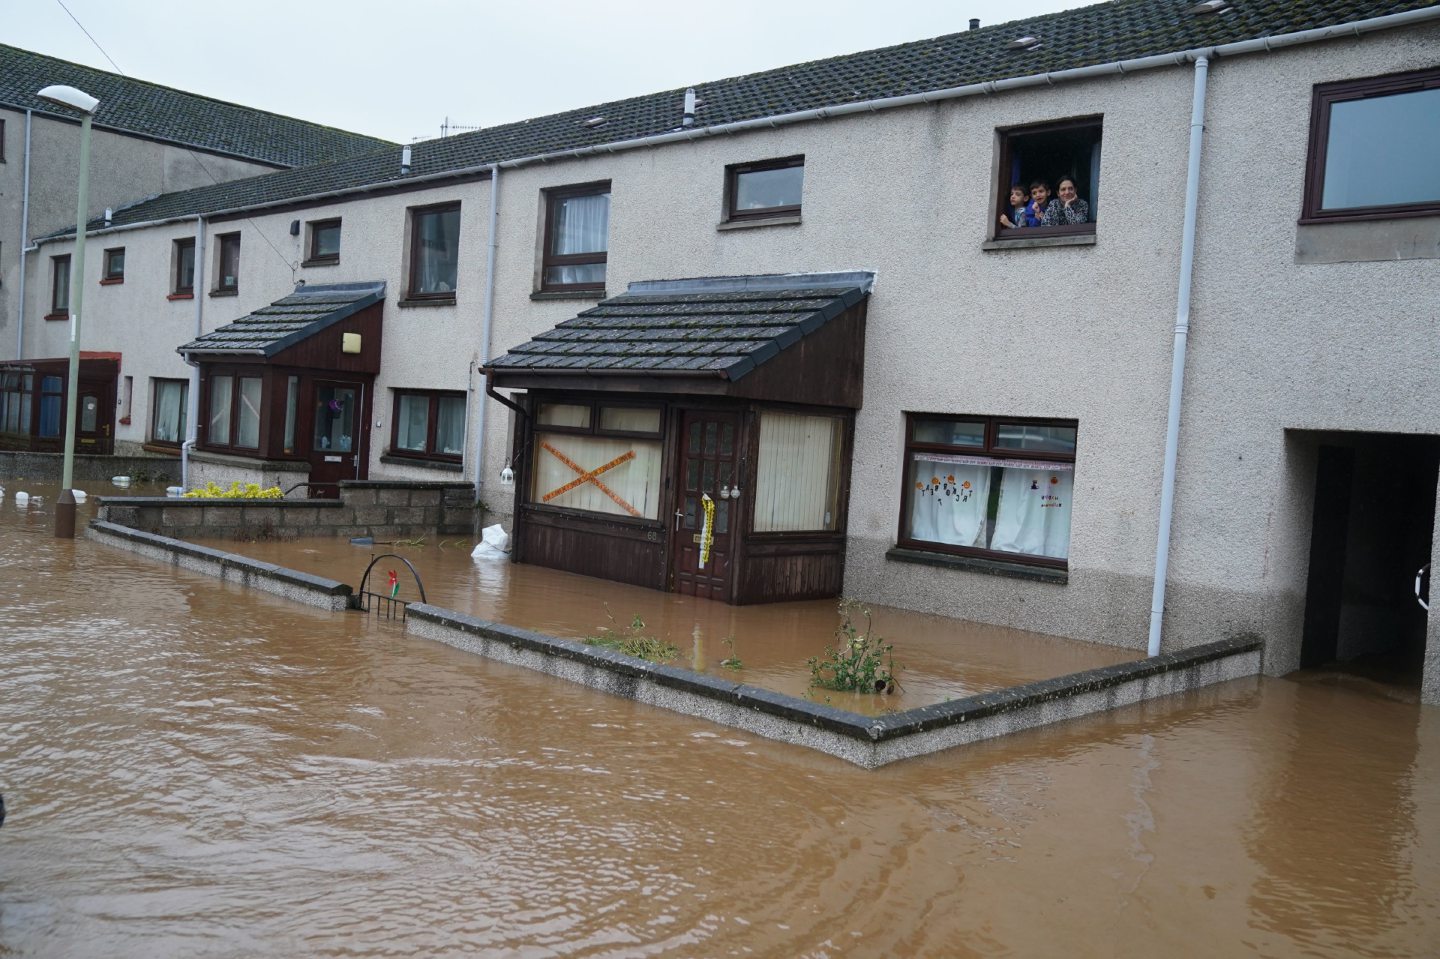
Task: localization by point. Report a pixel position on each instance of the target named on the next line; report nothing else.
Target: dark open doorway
(1373, 519)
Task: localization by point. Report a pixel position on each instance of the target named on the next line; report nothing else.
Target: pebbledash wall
(1279, 342)
(365, 508)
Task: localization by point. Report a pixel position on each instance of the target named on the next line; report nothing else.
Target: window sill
(1367, 241)
(409, 303)
(391, 460)
(327, 261)
(568, 295)
(1037, 242)
(224, 292)
(57, 316)
(1039, 574)
(788, 219)
(111, 280)
(181, 296)
(164, 448)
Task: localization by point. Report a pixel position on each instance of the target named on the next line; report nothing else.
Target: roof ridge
(189, 93)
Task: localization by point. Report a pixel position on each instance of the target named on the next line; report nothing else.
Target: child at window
(1033, 213)
(1016, 215)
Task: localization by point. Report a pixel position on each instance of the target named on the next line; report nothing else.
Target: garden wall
(387, 510)
(89, 469)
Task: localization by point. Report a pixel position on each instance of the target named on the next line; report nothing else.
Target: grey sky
(399, 69)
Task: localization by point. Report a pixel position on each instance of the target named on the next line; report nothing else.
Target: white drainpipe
(24, 239)
(192, 402)
(1177, 365)
(487, 322)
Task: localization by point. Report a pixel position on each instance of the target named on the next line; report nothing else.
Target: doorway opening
(1373, 519)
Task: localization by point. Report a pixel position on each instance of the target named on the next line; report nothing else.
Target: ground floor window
(234, 412)
(797, 483)
(598, 457)
(987, 486)
(16, 402)
(167, 411)
(52, 398)
(429, 425)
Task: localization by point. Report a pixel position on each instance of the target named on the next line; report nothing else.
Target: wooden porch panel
(826, 368)
(795, 567)
(576, 543)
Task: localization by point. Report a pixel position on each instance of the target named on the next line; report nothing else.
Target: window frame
(155, 384)
(1324, 97)
(432, 420)
(988, 448)
(1000, 192)
(236, 376)
(734, 171)
(109, 275)
(59, 309)
(312, 256)
(413, 269)
(224, 243)
(550, 259)
(179, 250)
(527, 498)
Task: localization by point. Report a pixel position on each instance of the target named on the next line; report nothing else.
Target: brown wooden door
(95, 419)
(709, 452)
(337, 437)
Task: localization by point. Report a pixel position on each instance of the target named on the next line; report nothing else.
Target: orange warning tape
(589, 476)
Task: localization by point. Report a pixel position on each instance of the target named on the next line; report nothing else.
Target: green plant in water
(415, 543)
(632, 641)
(732, 661)
(237, 490)
(860, 662)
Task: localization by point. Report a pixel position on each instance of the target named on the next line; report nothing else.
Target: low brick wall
(384, 510)
(301, 587)
(48, 467)
(865, 741)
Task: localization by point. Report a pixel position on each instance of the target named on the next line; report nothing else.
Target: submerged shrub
(632, 641)
(237, 490)
(860, 662)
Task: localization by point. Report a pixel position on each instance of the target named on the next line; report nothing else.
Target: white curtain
(439, 251)
(582, 224)
(219, 431)
(248, 430)
(411, 428)
(636, 480)
(797, 479)
(1034, 512)
(169, 424)
(450, 425)
(948, 501)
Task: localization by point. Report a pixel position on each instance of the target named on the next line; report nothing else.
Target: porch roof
(707, 328)
(286, 322)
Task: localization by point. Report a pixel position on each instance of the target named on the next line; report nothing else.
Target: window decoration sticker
(707, 532)
(590, 476)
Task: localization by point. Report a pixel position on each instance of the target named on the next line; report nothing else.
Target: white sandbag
(494, 541)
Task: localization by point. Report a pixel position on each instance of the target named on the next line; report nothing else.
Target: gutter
(1115, 68)
(487, 322)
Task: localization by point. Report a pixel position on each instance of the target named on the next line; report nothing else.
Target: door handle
(678, 517)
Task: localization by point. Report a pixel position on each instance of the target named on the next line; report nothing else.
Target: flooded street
(193, 770)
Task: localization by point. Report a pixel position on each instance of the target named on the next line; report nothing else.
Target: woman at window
(1067, 207)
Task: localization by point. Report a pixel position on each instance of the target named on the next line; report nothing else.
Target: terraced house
(148, 140)
(790, 333)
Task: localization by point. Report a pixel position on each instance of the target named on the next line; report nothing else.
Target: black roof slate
(709, 327)
(1104, 33)
(164, 113)
(288, 320)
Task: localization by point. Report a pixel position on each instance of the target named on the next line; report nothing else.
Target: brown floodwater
(193, 770)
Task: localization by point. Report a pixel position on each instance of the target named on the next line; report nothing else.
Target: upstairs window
(227, 275)
(1049, 180)
(60, 285)
(182, 273)
(989, 487)
(770, 188)
(1373, 148)
(113, 265)
(434, 252)
(324, 243)
(577, 238)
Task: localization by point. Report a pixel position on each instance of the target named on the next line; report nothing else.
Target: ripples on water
(196, 771)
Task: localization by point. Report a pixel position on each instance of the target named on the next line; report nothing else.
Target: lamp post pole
(73, 99)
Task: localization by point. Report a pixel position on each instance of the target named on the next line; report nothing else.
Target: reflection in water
(194, 770)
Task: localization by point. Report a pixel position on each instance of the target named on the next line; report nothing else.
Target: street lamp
(72, 99)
